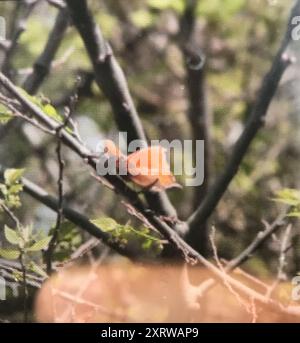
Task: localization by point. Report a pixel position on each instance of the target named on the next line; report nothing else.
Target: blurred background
(236, 39)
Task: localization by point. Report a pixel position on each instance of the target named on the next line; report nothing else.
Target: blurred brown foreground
(126, 292)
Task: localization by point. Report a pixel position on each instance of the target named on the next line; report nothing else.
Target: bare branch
(180, 247)
(261, 237)
(111, 80)
(59, 218)
(282, 260)
(57, 3)
(22, 12)
(74, 144)
(198, 112)
(43, 63)
(255, 122)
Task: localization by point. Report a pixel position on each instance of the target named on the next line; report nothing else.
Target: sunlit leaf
(288, 196)
(11, 235)
(40, 245)
(11, 176)
(5, 114)
(106, 224)
(9, 254)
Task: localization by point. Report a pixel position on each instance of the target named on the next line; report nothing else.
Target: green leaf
(39, 101)
(26, 232)
(52, 113)
(40, 245)
(139, 239)
(294, 214)
(106, 224)
(5, 114)
(11, 176)
(15, 189)
(9, 254)
(3, 189)
(288, 196)
(11, 235)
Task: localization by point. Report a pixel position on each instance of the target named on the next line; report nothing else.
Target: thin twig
(59, 218)
(10, 214)
(25, 288)
(261, 237)
(219, 264)
(61, 164)
(15, 113)
(282, 261)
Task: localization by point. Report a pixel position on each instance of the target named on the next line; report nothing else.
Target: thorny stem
(25, 288)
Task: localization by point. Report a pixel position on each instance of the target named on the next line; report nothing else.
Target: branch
(261, 237)
(198, 112)
(43, 63)
(18, 27)
(111, 80)
(57, 3)
(61, 165)
(73, 216)
(108, 73)
(255, 122)
(177, 245)
(284, 247)
(180, 247)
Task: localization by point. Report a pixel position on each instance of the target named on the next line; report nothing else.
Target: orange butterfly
(147, 167)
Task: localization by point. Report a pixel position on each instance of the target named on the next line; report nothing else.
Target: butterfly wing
(149, 167)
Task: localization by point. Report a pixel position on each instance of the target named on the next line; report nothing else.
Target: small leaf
(40, 245)
(5, 114)
(52, 113)
(11, 235)
(11, 176)
(15, 189)
(288, 196)
(294, 214)
(3, 189)
(26, 232)
(5, 118)
(106, 224)
(9, 254)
